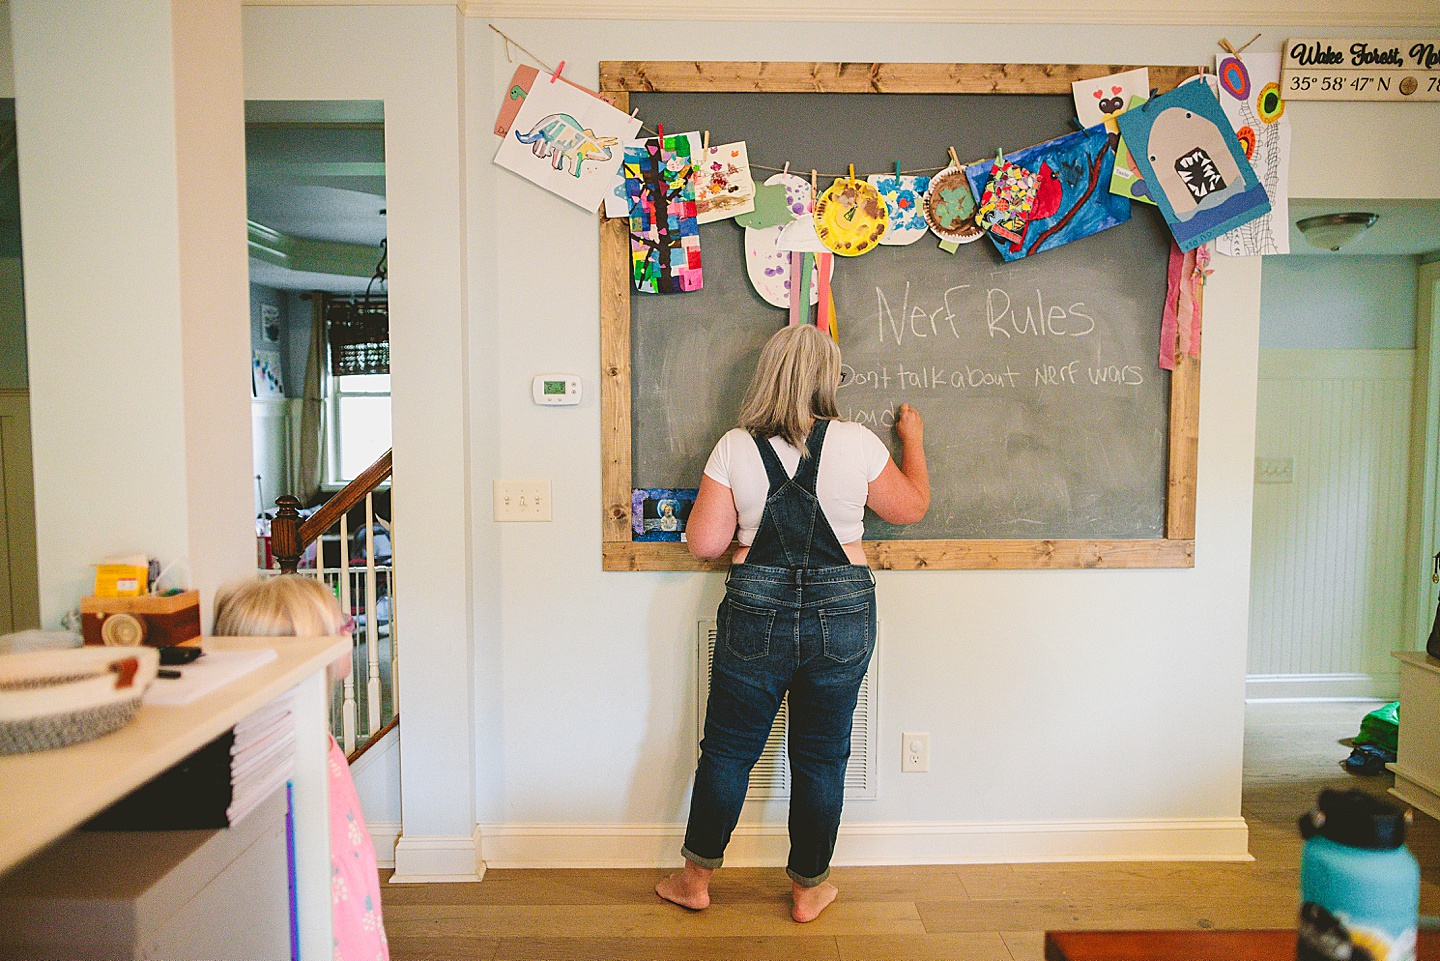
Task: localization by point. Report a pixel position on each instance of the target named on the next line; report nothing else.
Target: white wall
(409, 58)
(1118, 695)
(1338, 303)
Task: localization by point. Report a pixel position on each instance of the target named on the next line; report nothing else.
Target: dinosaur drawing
(560, 137)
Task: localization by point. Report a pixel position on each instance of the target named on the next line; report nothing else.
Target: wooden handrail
(373, 739)
(289, 536)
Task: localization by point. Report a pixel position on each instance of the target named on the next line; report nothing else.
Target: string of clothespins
(659, 129)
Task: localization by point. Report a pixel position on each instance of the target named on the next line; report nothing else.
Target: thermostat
(556, 390)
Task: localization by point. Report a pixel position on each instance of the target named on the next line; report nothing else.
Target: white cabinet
(1417, 759)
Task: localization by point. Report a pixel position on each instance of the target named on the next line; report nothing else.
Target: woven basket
(53, 698)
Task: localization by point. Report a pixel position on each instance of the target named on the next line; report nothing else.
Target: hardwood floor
(967, 912)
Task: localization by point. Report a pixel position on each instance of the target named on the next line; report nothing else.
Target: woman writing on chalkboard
(799, 607)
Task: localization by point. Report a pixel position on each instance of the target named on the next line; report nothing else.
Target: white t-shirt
(851, 458)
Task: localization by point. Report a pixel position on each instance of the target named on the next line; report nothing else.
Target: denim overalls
(797, 616)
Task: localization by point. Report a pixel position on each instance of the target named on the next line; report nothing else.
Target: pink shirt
(354, 880)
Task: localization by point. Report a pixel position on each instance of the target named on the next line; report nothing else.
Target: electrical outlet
(915, 753)
(522, 500)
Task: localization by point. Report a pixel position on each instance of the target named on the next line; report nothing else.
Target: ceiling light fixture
(1333, 231)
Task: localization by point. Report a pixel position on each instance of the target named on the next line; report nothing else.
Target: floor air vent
(771, 776)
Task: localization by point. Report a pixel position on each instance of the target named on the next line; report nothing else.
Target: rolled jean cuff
(711, 863)
(808, 882)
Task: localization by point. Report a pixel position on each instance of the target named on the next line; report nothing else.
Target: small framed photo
(270, 323)
(660, 513)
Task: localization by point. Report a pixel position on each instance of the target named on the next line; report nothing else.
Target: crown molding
(1313, 14)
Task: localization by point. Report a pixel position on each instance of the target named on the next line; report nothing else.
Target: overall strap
(773, 468)
(809, 469)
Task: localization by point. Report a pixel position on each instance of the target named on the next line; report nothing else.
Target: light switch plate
(1274, 470)
(522, 500)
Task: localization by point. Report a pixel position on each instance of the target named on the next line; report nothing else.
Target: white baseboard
(385, 834)
(658, 845)
(1322, 687)
(421, 860)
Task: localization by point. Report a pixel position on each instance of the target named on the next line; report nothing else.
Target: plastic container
(1359, 884)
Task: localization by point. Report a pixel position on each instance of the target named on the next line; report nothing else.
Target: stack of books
(217, 785)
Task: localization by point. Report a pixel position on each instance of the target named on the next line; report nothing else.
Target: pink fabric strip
(1197, 282)
(797, 313)
(1185, 306)
(1169, 320)
(822, 312)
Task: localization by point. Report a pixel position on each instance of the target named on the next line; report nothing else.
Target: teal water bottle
(1359, 884)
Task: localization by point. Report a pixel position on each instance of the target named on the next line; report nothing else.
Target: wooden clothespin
(556, 75)
(660, 132)
(634, 112)
(852, 171)
(954, 160)
(1229, 48)
(814, 185)
(705, 143)
(787, 167)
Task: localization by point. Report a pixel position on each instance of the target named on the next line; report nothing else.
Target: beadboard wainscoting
(1332, 461)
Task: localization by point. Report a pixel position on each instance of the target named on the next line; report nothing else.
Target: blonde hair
(794, 383)
(284, 606)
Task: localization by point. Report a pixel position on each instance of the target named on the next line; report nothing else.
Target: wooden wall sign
(1406, 69)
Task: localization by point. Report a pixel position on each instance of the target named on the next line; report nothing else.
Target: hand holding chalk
(909, 427)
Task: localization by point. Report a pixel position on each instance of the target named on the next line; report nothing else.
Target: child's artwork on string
(1071, 198)
(723, 187)
(904, 197)
(766, 264)
(520, 85)
(1126, 181)
(850, 217)
(1007, 192)
(660, 513)
(664, 235)
(1250, 97)
(949, 209)
(771, 209)
(567, 142)
(1193, 165)
(1103, 99)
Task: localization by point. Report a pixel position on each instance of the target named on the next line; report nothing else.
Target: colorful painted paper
(567, 142)
(1007, 192)
(617, 201)
(1071, 198)
(660, 513)
(1250, 96)
(520, 85)
(772, 209)
(664, 235)
(723, 187)
(767, 266)
(904, 197)
(850, 217)
(949, 207)
(1184, 304)
(1126, 181)
(1193, 164)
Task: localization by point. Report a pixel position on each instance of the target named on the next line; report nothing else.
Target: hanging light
(1333, 231)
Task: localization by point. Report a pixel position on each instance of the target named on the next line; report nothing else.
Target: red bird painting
(1047, 199)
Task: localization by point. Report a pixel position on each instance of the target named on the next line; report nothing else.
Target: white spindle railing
(367, 593)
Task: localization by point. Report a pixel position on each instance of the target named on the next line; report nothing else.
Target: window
(358, 424)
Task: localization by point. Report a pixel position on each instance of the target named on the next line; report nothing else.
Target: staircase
(362, 579)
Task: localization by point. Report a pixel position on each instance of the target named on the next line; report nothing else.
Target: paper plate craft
(771, 208)
(567, 142)
(800, 235)
(520, 85)
(850, 217)
(949, 207)
(1103, 99)
(1070, 200)
(1193, 165)
(664, 235)
(767, 266)
(723, 187)
(1007, 192)
(904, 197)
(1250, 97)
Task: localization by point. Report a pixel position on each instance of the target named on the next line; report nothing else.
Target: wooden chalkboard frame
(618, 78)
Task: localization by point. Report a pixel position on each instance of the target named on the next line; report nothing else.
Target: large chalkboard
(1048, 422)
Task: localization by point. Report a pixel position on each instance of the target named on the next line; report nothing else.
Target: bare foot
(809, 902)
(689, 889)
